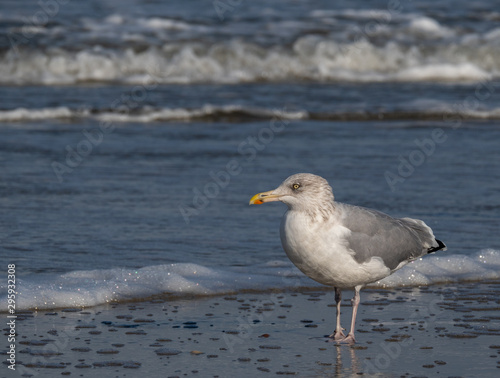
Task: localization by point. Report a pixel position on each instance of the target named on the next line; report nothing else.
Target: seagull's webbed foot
(338, 335)
(349, 339)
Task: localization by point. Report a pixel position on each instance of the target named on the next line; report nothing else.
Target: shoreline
(172, 297)
(439, 330)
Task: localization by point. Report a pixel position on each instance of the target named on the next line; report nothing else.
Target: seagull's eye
(295, 186)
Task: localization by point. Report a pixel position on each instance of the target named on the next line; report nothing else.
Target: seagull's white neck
(316, 211)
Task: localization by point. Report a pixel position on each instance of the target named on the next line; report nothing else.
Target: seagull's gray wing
(375, 234)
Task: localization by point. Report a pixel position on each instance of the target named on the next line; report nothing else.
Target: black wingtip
(441, 246)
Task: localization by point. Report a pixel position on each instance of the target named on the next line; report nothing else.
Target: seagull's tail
(441, 247)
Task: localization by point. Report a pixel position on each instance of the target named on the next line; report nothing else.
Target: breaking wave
(311, 58)
(233, 113)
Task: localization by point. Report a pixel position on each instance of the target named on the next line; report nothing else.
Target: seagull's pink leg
(338, 334)
(355, 303)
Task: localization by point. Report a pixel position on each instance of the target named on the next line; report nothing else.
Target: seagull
(342, 245)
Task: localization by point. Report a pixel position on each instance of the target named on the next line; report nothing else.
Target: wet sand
(435, 331)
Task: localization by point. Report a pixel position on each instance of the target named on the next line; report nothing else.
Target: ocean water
(133, 134)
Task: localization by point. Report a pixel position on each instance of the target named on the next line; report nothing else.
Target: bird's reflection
(340, 369)
(341, 366)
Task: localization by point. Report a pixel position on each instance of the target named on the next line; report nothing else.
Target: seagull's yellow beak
(260, 198)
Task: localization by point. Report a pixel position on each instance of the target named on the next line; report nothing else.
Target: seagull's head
(300, 191)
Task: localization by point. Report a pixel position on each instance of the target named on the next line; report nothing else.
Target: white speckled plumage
(341, 245)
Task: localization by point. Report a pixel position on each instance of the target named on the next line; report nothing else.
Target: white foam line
(23, 114)
(94, 287)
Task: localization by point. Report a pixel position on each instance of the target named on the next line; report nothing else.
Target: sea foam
(418, 109)
(94, 287)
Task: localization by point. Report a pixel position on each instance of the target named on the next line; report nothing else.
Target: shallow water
(440, 330)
